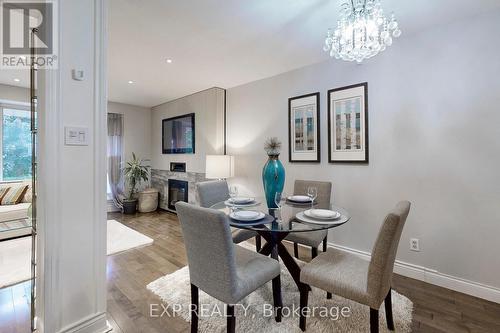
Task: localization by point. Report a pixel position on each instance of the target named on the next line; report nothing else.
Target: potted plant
(134, 171)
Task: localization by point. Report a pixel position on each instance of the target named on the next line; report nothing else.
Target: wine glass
(233, 191)
(312, 192)
(278, 200)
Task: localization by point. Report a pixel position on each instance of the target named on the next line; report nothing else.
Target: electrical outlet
(414, 244)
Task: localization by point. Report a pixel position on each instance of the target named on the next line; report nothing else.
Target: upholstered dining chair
(223, 270)
(214, 191)
(365, 281)
(314, 238)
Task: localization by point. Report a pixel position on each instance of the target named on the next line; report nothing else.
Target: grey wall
(136, 134)
(137, 129)
(208, 106)
(434, 140)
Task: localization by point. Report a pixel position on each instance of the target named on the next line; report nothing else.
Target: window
(108, 188)
(16, 143)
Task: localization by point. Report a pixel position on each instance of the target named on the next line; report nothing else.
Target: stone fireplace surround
(159, 180)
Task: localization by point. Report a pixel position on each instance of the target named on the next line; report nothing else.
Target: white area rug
(174, 290)
(15, 255)
(122, 238)
(15, 258)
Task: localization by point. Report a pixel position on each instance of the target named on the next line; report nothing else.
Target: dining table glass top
(289, 218)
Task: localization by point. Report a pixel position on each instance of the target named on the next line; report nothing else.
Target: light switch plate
(76, 136)
(77, 74)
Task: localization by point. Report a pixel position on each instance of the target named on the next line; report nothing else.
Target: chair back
(210, 249)
(324, 191)
(212, 192)
(384, 251)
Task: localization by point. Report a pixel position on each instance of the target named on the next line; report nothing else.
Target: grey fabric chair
(314, 238)
(223, 270)
(211, 192)
(365, 281)
(214, 191)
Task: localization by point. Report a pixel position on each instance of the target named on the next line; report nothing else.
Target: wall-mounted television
(178, 135)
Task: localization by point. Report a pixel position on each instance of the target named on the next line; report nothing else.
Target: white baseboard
(92, 324)
(432, 276)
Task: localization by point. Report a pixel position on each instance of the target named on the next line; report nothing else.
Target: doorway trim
(49, 300)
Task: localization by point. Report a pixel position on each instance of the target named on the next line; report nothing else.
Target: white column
(72, 179)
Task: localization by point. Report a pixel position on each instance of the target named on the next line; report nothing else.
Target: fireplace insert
(177, 191)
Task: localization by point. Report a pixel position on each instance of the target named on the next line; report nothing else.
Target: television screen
(178, 135)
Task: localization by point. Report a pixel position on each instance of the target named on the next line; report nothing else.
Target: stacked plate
(247, 215)
(241, 202)
(299, 199)
(319, 216)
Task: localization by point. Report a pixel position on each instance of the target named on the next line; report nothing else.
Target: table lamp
(219, 166)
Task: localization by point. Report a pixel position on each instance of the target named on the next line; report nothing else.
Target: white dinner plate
(247, 215)
(303, 218)
(248, 204)
(322, 214)
(299, 198)
(241, 200)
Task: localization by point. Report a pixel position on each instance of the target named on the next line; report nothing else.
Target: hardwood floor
(435, 309)
(15, 308)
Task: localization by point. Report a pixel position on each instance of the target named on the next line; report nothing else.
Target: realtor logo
(19, 19)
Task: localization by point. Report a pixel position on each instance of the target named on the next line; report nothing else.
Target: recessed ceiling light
(131, 82)
(169, 61)
(17, 80)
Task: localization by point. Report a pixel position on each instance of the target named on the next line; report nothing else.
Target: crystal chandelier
(362, 31)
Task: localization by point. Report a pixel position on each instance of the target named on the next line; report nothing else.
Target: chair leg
(278, 303)
(194, 308)
(314, 252)
(328, 295)
(388, 311)
(325, 244)
(258, 243)
(304, 295)
(373, 321)
(296, 250)
(231, 319)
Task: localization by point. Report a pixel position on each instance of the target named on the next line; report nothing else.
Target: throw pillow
(28, 196)
(15, 195)
(3, 192)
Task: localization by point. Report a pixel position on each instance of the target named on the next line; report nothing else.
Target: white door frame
(51, 141)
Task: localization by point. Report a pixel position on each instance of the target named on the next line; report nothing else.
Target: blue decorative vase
(273, 178)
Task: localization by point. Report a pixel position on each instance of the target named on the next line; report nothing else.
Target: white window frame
(6, 104)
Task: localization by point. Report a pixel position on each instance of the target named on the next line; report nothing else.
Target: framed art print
(303, 128)
(348, 124)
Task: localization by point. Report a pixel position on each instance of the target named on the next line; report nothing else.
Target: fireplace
(177, 191)
(160, 178)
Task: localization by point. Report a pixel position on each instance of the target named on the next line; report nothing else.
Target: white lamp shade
(219, 166)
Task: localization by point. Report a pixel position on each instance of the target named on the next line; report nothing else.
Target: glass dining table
(280, 222)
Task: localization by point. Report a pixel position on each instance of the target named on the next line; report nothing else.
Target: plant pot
(129, 206)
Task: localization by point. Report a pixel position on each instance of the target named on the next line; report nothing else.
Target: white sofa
(13, 218)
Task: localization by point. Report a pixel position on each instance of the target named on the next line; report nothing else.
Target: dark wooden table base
(274, 247)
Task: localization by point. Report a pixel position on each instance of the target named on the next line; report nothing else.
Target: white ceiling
(226, 43)
(7, 76)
